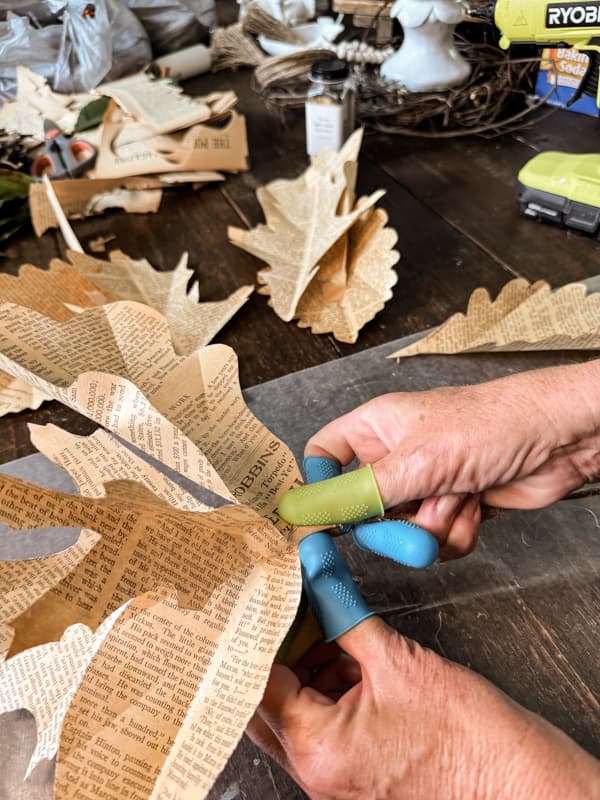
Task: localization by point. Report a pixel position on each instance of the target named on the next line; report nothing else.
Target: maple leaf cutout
(368, 258)
(523, 317)
(193, 324)
(302, 224)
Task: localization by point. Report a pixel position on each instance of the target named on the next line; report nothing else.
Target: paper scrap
(162, 106)
(36, 102)
(193, 324)
(201, 147)
(523, 317)
(83, 197)
(302, 225)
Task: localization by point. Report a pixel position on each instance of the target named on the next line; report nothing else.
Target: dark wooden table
(453, 205)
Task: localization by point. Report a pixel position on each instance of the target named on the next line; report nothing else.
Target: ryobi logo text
(572, 15)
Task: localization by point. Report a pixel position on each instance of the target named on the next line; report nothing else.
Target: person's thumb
(369, 643)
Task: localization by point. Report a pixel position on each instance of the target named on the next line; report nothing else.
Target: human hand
(382, 717)
(519, 442)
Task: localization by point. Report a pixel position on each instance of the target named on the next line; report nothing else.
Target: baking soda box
(565, 67)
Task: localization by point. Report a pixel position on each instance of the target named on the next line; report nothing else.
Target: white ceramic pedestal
(428, 59)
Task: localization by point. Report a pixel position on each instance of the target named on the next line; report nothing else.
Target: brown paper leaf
(301, 225)
(49, 291)
(523, 317)
(193, 324)
(126, 148)
(369, 258)
(46, 291)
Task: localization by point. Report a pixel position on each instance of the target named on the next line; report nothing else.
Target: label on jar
(324, 127)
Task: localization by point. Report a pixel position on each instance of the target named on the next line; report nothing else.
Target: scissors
(63, 156)
(352, 498)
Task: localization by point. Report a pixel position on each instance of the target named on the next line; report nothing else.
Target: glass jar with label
(329, 106)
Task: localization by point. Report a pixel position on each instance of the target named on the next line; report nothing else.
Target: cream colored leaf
(523, 317)
(302, 224)
(192, 324)
(369, 260)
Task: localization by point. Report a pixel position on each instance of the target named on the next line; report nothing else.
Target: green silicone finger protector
(350, 497)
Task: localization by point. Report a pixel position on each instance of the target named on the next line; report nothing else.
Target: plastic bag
(95, 49)
(21, 43)
(90, 43)
(174, 24)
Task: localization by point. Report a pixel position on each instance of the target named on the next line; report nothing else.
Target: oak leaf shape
(49, 292)
(523, 317)
(368, 258)
(302, 224)
(193, 324)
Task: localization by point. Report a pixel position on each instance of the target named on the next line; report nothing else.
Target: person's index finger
(331, 442)
(349, 497)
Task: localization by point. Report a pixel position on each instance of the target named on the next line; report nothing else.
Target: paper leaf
(192, 324)
(368, 257)
(523, 317)
(46, 291)
(301, 225)
(116, 365)
(176, 694)
(22, 684)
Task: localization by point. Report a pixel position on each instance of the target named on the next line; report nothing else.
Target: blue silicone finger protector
(333, 595)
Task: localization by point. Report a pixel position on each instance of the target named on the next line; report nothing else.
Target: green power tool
(557, 187)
